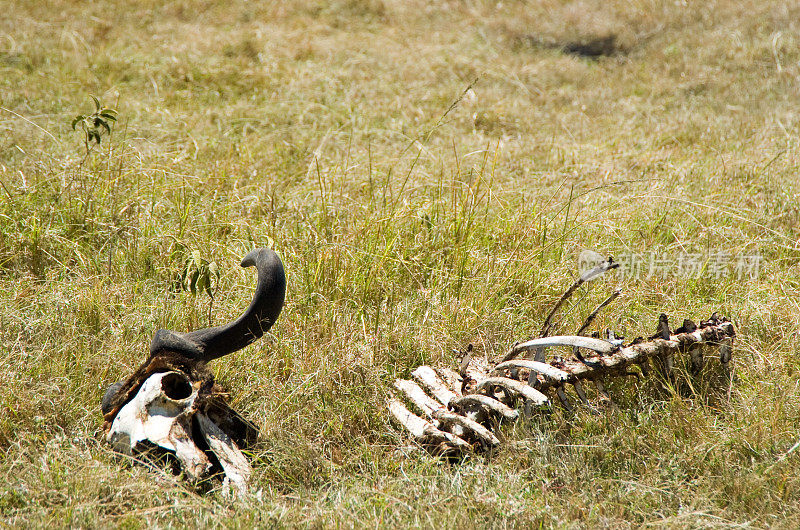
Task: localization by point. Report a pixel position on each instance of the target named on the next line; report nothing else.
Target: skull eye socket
(176, 386)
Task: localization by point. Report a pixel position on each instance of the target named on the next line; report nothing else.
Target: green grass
(409, 226)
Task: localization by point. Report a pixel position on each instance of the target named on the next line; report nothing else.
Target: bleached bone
(234, 464)
(476, 370)
(427, 377)
(418, 397)
(515, 387)
(423, 431)
(486, 403)
(450, 378)
(589, 343)
(549, 372)
(475, 429)
(161, 413)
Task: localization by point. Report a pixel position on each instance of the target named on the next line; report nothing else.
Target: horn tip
(256, 256)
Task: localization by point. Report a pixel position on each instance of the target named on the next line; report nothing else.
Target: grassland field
(429, 172)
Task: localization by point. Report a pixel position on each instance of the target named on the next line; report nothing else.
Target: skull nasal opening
(176, 386)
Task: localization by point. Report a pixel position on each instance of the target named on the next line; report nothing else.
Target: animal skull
(171, 401)
(162, 413)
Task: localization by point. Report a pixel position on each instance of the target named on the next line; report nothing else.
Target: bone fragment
(478, 431)
(421, 430)
(533, 381)
(586, 276)
(515, 387)
(593, 314)
(581, 394)
(487, 403)
(236, 467)
(601, 389)
(725, 351)
(696, 354)
(427, 378)
(450, 378)
(550, 373)
(418, 396)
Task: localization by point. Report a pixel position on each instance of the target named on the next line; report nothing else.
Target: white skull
(162, 413)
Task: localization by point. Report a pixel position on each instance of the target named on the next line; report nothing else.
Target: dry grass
(408, 228)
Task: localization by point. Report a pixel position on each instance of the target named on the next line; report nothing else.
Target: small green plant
(93, 124)
(198, 275)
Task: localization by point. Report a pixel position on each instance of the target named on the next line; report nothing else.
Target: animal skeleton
(171, 402)
(460, 412)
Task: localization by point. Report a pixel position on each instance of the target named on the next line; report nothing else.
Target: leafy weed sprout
(93, 125)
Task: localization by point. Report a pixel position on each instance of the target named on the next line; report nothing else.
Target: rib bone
(515, 387)
(449, 419)
(549, 372)
(418, 397)
(485, 402)
(598, 345)
(725, 351)
(696, 353)
(562, 397)
(427, 377)
(423, 431)
(579, 390)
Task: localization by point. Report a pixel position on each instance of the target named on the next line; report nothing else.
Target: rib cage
(456, 413)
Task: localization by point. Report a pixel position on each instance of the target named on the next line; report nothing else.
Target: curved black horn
(210, 343)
